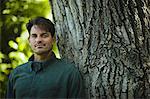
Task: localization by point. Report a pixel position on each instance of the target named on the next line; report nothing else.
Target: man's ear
(29, 40)
(54, 39)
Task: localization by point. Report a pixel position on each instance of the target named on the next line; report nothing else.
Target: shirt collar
(37, 66)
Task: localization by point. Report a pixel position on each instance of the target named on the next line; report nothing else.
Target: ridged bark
(109, 40)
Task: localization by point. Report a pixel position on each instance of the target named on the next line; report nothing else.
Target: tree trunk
(109, 41)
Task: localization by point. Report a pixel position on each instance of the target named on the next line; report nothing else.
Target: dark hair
(46, 23)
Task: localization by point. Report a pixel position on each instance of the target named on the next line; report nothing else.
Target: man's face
(40, 40)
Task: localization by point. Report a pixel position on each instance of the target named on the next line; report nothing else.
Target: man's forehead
(38, 28)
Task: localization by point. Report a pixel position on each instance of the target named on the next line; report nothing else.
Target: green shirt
(50, 79)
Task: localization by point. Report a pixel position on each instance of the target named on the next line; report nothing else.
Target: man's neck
(42, 57)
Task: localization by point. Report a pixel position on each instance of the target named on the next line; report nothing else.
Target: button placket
(32, 87)
(36, 67)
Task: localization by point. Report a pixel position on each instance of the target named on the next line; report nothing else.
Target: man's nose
(38, 39)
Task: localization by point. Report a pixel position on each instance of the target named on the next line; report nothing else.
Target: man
(44, 76)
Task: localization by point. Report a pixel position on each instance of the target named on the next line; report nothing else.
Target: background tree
(109, 40)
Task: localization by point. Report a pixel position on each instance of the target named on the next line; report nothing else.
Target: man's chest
(38, 84)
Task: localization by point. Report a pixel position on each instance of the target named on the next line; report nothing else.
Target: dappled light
(13, 44)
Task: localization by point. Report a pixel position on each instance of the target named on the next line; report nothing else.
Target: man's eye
(34, 36)
(45, 35)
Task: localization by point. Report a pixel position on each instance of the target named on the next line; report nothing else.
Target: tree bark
(109, 41)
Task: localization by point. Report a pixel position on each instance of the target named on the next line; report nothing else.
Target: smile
(40, 46)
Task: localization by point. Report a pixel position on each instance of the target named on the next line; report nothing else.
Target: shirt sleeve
(10, 92)
(76, 86)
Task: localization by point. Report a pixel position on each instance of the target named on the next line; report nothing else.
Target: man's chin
(41, 52)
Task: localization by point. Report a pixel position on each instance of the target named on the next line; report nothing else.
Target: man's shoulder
(22, 67)
(71, 69)
(19, 69)
(67, 65)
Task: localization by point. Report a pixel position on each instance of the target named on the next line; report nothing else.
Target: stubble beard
(43, 52)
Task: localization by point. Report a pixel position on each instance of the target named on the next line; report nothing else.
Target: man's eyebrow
(41, 33)
(33, 34)
(45, 32)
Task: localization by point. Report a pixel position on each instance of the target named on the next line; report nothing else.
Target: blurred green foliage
(14, 47)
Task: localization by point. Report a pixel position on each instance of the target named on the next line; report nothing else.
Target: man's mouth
(39, 46)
